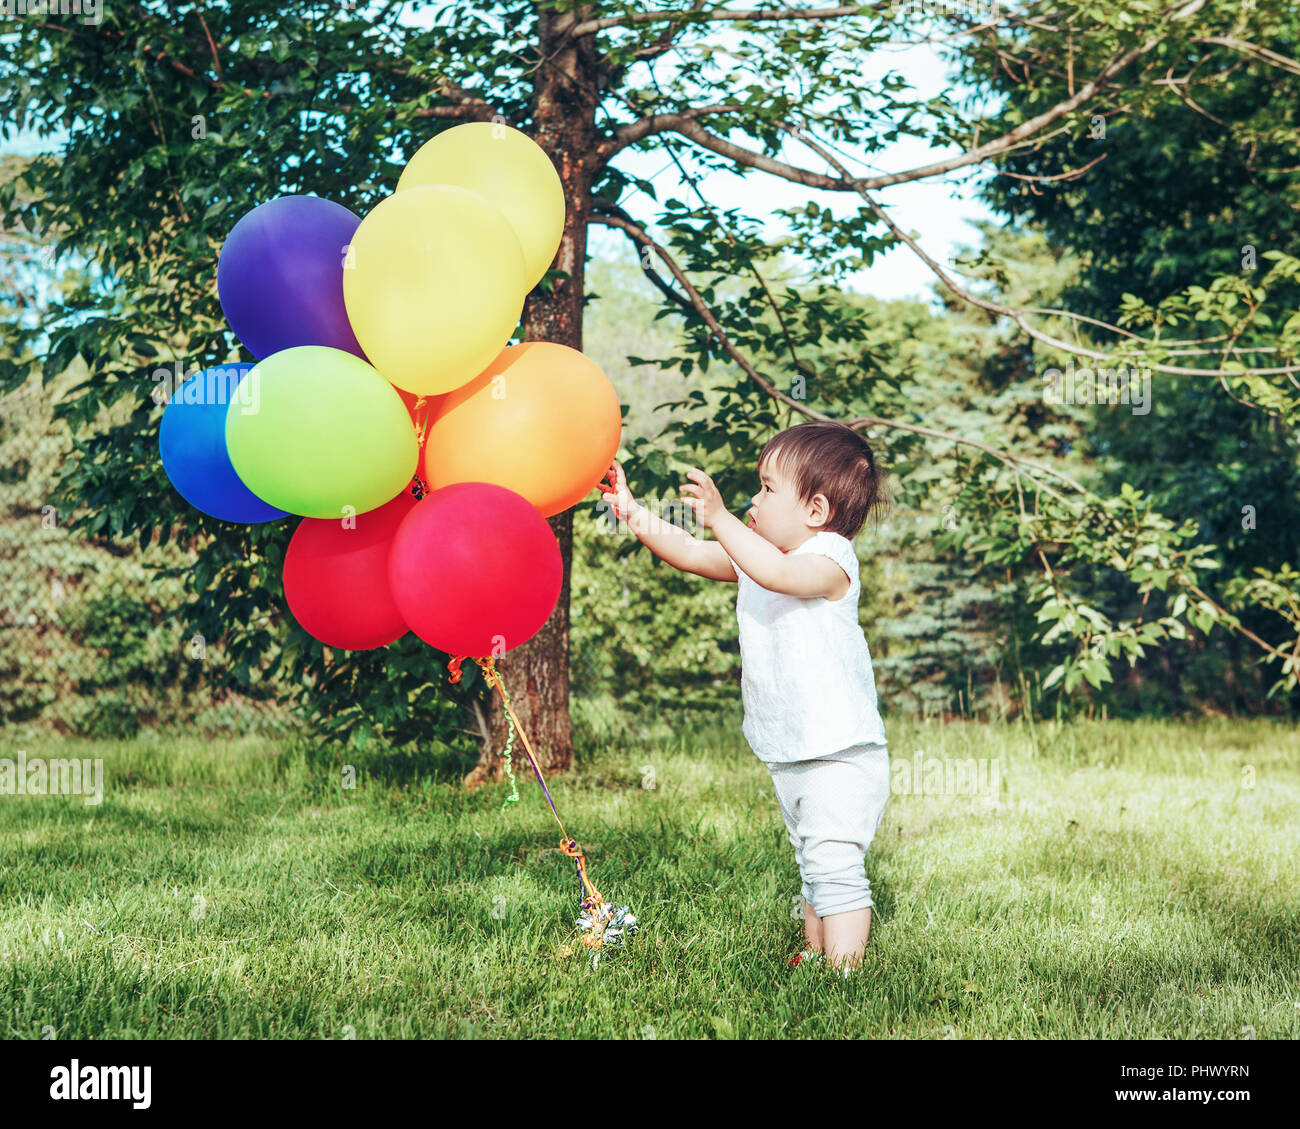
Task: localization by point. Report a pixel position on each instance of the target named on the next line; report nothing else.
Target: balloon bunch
(387, 408)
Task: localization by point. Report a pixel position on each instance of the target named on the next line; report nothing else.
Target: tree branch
(1006, 311)
(115, 36)
(465, 105)
(658, 123)
(1013, 462)
(1069, 174)
(1022, 134)
(603, 211)
(1252, 51)
(660, 46)
(590, 27)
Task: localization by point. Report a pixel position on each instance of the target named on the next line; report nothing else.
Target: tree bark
(536, 673)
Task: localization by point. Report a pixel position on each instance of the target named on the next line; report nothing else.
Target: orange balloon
(541, 420)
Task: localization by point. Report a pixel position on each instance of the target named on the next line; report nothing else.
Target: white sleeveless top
(806, 678)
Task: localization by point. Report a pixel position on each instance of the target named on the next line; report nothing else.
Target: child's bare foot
(846, 936)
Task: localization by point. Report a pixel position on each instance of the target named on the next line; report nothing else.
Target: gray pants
(832, 807)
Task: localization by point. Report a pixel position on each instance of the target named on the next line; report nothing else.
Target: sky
(938, 211)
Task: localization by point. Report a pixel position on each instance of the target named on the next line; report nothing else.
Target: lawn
(1128, 880)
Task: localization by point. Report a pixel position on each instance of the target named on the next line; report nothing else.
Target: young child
(806, 680)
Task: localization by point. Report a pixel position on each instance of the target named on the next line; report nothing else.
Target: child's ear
(821, 509)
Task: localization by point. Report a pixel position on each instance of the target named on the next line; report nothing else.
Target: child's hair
(828, 457)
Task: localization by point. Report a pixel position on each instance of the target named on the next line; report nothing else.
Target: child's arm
(665, 540)
(805, 575)
(679, 548)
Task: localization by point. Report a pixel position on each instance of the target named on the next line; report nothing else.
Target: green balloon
(318, 432)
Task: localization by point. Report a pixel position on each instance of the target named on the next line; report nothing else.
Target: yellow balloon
(434, 286)
(510, 169)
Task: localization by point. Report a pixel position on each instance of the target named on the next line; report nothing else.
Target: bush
(110, 716)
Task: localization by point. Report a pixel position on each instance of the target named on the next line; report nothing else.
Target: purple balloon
(280, 276)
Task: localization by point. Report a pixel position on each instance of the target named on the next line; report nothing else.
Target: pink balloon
(475, 569)
(336, 577)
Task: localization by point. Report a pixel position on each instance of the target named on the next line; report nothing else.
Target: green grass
(1128, 882)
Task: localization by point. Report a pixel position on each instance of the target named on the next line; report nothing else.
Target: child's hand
(706, 501)
(616, 491)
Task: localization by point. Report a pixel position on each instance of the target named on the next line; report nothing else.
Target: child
(806, 678)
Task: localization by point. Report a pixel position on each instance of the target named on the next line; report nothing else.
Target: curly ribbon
(602, 922)
(420, 488)
(422, 429)
(510, 740)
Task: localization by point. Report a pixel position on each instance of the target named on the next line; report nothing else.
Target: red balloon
(336, 577)
(475, 569)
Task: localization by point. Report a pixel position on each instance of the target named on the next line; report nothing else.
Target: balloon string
(568, 846)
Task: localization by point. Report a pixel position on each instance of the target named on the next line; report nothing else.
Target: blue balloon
(192, 442)
(280, 276)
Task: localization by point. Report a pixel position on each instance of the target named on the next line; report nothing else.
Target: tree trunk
(536, 673)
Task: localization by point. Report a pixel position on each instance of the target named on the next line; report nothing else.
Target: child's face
(777, 514)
